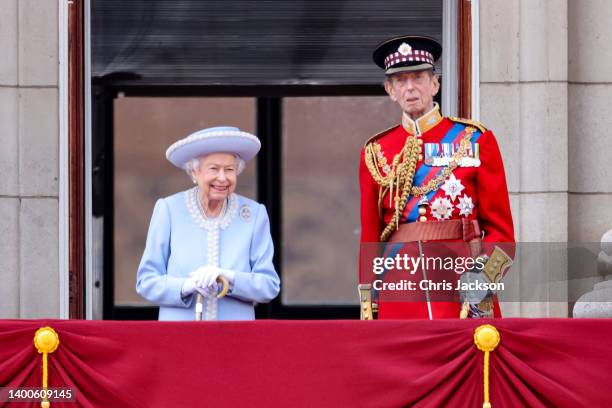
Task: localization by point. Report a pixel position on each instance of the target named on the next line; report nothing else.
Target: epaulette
(379, 134)
(469, 122)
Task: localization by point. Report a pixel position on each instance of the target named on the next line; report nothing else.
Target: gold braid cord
(401, 175)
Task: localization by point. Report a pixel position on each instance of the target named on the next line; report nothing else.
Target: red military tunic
(475, 190)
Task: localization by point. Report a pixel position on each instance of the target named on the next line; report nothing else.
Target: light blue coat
(177, 245)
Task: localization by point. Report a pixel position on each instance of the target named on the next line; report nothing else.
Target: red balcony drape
(539, 363)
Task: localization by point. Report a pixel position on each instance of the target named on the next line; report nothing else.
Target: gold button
(422, 218)
(420, 141)
(420, 157)
(422, 210)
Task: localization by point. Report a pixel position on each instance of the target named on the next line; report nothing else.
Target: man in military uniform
(430, 178)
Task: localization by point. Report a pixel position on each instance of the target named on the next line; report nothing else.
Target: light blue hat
(220, 139)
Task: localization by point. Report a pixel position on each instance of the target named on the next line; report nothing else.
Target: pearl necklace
(212, 227)
(203, 211)
(199, 217)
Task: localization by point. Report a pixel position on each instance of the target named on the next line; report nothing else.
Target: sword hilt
(366, 307)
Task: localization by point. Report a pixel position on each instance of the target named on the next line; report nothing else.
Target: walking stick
(200, 299)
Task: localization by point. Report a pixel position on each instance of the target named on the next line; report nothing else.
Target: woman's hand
(189, 286)
(206, 277)
(202, 280)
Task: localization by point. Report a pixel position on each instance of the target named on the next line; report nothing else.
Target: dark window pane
(322, 139)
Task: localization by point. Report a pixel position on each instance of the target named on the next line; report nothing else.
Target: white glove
(206, 277)
(202, 280)
(189, 286)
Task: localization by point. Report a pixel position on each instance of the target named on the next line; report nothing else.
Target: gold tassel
(486, 338)
(391, 192)
(46, 341)
(397, 199)
(397, 213)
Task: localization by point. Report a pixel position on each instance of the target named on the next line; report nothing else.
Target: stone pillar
(523, 98)
(29, 159)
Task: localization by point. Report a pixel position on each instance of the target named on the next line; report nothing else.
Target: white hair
(194, 164)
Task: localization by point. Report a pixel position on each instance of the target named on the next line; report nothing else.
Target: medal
(465, 206)
(446, 149)
(441, 208)
(431, 151)
(452, 187)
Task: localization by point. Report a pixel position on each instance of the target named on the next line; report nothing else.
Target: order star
(452, 187)
(441, 208)
(466, 205)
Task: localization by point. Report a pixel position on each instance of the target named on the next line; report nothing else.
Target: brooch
(245, 213)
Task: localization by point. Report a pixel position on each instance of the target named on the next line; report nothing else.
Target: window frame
(458, 93)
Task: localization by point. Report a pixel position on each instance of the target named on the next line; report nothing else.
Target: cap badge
(404, 49)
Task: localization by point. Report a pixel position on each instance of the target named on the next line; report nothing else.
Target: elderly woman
(208, 234)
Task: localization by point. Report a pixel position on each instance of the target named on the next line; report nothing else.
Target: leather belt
(463, 229)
